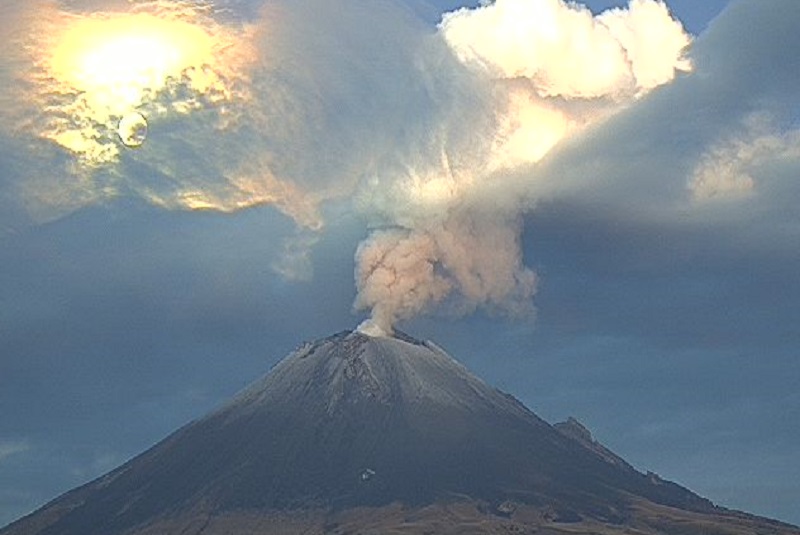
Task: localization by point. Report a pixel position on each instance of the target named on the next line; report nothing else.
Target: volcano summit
(361, 434)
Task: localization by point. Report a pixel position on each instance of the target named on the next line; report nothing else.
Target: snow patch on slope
(352, 367)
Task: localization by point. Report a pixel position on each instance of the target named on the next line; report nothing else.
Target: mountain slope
(392, 433)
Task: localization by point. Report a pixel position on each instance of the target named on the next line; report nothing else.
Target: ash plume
(298, 103)
(549, 69)
(473, 259)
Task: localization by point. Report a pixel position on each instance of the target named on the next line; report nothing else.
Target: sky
(593, 206)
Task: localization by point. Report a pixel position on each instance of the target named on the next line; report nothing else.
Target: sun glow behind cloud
(158, 59)
(117, 60)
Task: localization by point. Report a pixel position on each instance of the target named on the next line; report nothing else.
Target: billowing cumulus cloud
(566, 51)
(559, 68)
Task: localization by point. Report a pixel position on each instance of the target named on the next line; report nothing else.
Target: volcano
(368, 435)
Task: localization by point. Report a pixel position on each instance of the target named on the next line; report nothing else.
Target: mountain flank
(355, 434)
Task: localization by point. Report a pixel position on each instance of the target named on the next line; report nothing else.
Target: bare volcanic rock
(360, 434)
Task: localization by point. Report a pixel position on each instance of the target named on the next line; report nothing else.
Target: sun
(160, 58)
(115, 61)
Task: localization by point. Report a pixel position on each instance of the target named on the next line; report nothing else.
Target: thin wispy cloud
(11, 448)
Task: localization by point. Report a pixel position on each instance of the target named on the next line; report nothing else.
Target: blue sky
(646, 259)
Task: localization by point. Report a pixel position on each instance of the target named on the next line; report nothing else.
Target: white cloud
(9, 448)
(653, 41)
(734, 167)
(566, 51)
(294, 262)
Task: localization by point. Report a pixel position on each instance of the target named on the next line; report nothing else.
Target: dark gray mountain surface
(359, 434)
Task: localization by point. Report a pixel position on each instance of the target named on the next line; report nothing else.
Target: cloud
(728, 168)
(10, 448)
(304, 103)
(295, 262)
(673, 220)
(547, 70)
(726, 130)
(566, 51)
(443, 138)
(75, 73)
(242, 111)
(557, 68)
